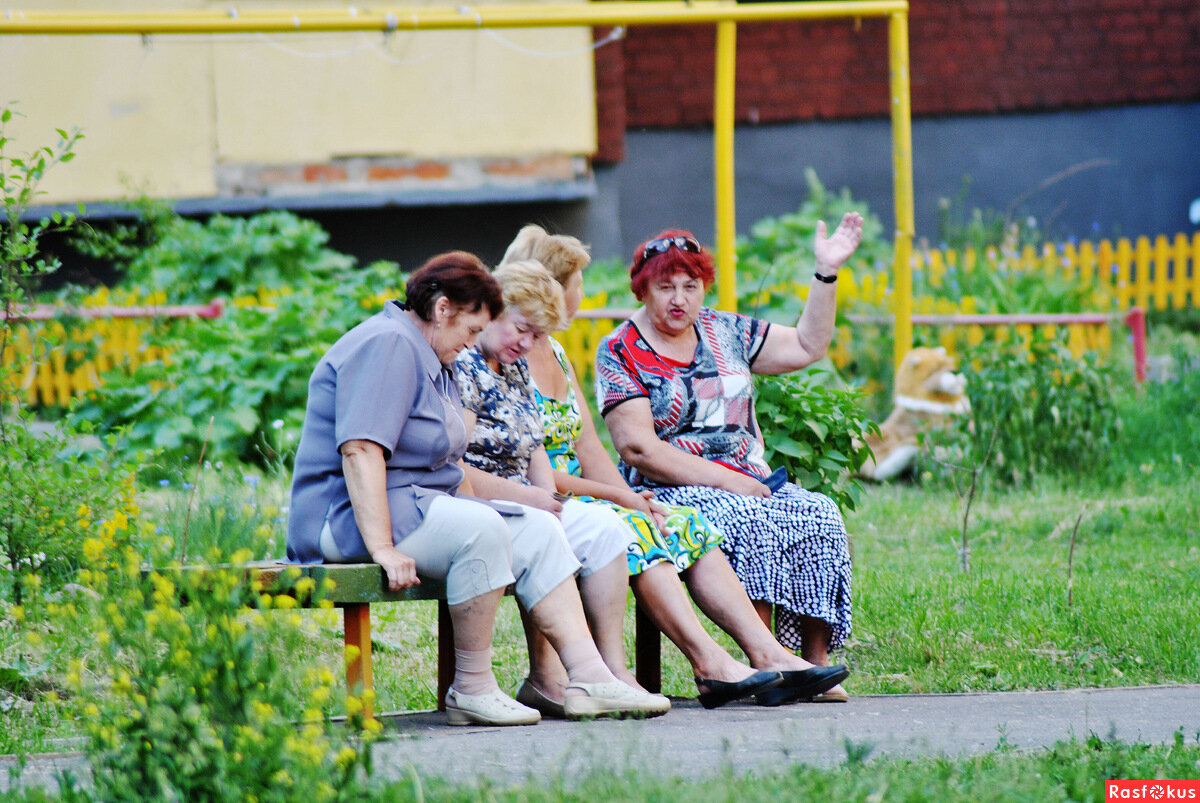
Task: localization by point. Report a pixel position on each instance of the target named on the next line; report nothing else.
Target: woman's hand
(739, 483)
(540, 498)
(644, 502)
(400, 568)
(832, 252)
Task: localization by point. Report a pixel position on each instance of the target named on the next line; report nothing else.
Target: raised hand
(833, 251)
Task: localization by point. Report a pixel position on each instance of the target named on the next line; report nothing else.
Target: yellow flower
(17, 613)
(346, 756)
(353, 704)
(284, 602)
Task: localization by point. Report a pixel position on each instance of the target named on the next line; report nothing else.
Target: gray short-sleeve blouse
(380, 382)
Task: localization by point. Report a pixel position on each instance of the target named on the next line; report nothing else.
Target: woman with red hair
(675, 386)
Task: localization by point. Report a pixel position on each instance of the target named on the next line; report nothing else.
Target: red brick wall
(967, 56)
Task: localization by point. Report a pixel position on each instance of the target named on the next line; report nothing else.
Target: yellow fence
(66, 356)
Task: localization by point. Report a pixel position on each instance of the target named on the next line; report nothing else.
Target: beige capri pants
(476, 550)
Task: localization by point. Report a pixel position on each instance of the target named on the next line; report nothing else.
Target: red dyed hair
(656, 267)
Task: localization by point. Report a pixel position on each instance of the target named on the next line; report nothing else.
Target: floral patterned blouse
(561, 421)
(508, 426)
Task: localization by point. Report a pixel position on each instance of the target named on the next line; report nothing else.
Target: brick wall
(967, 57)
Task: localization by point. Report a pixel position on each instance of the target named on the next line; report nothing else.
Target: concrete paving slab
(744, 738)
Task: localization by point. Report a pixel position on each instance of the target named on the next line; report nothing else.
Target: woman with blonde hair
(669, 542)
(505, 460)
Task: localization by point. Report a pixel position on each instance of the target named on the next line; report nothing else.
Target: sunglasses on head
(663, 244)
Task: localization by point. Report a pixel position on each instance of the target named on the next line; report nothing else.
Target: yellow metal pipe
(307, 20)
(723, 174)
(902, 183)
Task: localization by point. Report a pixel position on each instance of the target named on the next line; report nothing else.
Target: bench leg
(358, 633)
(446, 663)
(648, 658)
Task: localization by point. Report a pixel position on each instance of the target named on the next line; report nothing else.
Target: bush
(246, 372)
(1035, 409)
(815, 431)
(1160, 429)
(187, 702)
(53, 495)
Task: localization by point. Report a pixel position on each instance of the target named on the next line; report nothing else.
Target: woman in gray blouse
(377, 477)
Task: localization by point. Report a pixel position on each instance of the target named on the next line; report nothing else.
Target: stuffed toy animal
(928, 391)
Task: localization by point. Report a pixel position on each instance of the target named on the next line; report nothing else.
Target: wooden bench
(357, 585)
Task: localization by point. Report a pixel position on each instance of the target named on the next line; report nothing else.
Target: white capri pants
(476, 550)
(598, 535)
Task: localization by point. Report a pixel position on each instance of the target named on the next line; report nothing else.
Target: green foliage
(21, 265)
(1034, 409)
(52, 492)
(228, 510)
(779, 250)
(1160, 428)
(246, 371)
(228, 257)
(187, 704)
(815, 431)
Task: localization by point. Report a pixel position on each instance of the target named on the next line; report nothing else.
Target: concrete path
(746, 738)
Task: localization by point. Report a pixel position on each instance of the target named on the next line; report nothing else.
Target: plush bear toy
(927, 392)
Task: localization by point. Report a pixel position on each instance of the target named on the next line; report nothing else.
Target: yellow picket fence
(65, 355)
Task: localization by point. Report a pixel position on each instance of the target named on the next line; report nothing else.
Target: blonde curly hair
(561, 254)
(531, 290)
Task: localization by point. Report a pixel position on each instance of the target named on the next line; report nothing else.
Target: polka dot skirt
(788, 549)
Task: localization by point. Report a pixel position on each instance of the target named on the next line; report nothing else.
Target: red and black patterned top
(705, 407)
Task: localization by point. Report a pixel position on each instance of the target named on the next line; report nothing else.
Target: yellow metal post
(723, 176)
(902, 182)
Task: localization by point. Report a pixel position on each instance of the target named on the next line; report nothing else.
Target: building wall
(292, 118)
(967, 57)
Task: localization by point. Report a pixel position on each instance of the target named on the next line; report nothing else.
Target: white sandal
(613, 698)
(493, 708)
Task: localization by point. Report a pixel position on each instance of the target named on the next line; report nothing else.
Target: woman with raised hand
(378, 478)
(675, 386)
(667, 542)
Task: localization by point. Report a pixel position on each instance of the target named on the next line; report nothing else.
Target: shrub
(1160, 429)
(246, 372)
(815, 431)
(188, 701)
(53, 495)
(1035, 409)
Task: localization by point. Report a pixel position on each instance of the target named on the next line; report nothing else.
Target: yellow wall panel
(164, 116)
(145, 112)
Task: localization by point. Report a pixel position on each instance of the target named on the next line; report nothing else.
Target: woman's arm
(600, 479)
(792, 348)
(489, 486)
(632, 428)
(365, 470)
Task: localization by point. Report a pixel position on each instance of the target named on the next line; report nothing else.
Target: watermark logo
(1164, 790)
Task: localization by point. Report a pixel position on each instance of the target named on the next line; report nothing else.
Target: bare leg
(603, 594)
(764, 610)
(559, 615)
(814, 640)
(662, 596)
(720, 595)
(546, 671)
(475, 620)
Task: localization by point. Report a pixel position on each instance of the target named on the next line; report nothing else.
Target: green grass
(1069, 771)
